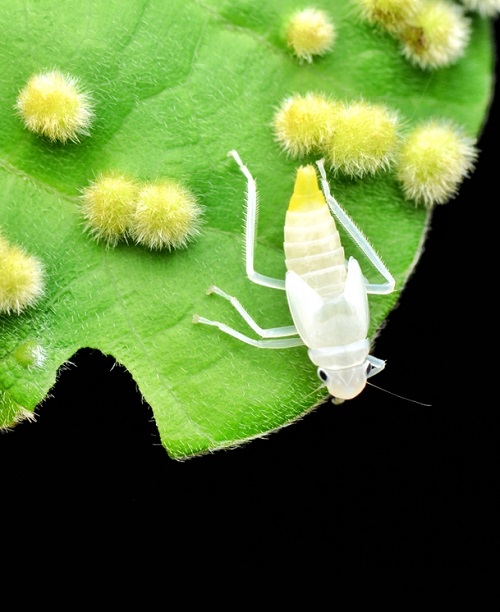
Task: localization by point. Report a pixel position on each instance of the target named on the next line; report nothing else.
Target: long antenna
(397, 395)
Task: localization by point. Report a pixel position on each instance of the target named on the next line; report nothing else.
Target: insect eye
(369, 368)
(322, 375)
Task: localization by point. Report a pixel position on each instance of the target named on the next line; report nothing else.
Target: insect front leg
(274, 337)
(271, 343)
(273, 332)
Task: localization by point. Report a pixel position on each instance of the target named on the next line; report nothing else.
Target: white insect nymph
(327, 295)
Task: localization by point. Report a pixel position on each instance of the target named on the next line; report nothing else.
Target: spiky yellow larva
(434, 159)
(53, 105)
(310, 32)
(21, 278)
(166, 216)
(108, 204)
(437, 35)
(363, 140)
(303, 122)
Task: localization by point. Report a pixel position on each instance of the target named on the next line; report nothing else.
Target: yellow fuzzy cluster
(434, 159)
(360, 138)
(158, 215)
(108, 205)
(53, 105)
(21, 278)
(356, 139)
(302, 124)
(310, 32)
(432, 33)
(166, 215)
(364, 139)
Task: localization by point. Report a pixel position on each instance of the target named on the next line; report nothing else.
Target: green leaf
(176, 86)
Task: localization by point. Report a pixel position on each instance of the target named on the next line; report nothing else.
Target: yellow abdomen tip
(306, 193)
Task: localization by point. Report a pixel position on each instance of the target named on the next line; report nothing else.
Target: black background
(376, 478)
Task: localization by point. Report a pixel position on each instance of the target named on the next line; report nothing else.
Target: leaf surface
(176, 86)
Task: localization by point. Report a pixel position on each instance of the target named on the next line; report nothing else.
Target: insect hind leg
(359, 238)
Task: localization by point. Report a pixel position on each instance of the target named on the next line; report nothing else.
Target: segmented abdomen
(313, 250)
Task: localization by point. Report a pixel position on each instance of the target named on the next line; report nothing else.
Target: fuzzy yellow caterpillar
(21, 278)
(53, 105)
(434, 159)
(108, 205)
(310, 32)
(166, 215)
(437, 35)
(363, 139)
(303, 122)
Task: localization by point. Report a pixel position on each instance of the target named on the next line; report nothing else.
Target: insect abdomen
(312, 242)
